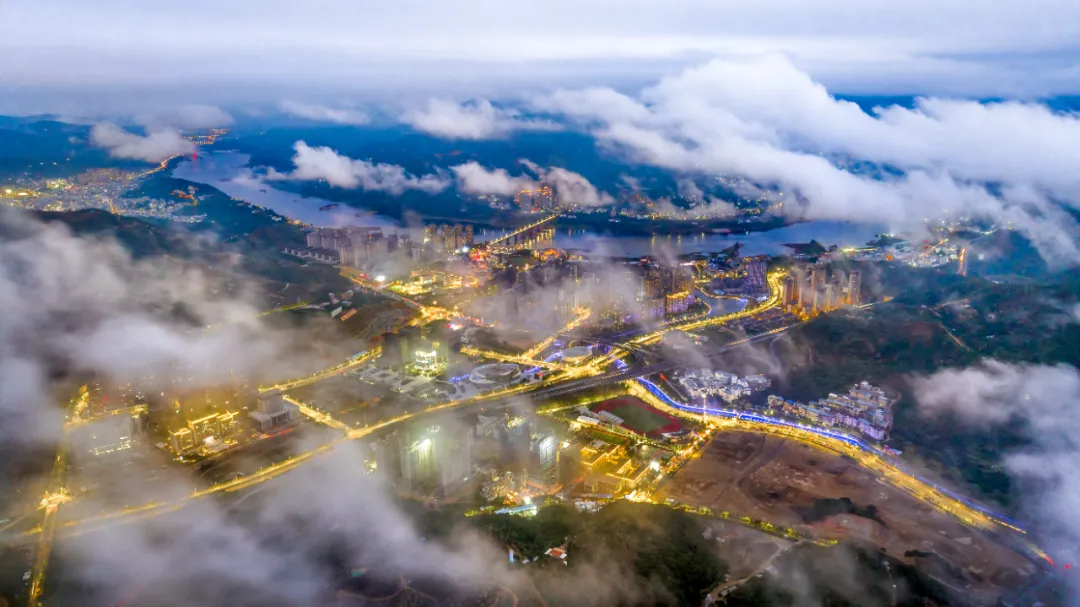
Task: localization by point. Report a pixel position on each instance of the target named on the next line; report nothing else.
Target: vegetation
(659, 551)
(839, 577)
(936, 320)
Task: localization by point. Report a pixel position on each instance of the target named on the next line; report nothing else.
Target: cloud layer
(323, 113)
(472, 120)
(154, 147)
(1043, 402)
(315, 163)
(767, 121)
(1019, 47)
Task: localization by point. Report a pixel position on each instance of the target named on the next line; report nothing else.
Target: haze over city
(475, 303)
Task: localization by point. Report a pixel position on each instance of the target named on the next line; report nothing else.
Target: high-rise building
(854, 289)
(677, 303)
(272, 410)
(832, 296)
(454, 459)
(789, 291)
(652, 285)
(545, 450)
(755, 275)
(524, 200)
(817, 288)
(469, 237)
(417, 457)
(205, 428)
(544, 198)
(682, 279)
(182, 440)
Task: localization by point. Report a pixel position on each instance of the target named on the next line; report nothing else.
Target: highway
(867, 455)
(352, 363)
(564, 380)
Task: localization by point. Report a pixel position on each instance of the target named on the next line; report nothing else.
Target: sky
(132, 52)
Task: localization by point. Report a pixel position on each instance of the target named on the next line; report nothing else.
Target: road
(561, 382)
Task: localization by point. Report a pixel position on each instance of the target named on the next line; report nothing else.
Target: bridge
(522, 234)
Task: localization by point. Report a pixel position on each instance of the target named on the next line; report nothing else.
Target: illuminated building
(755, 275)
(817, 289)
(789, 295)
(182, 440)
(272, 410)
(205, 427)
(545, 450)
(832, 296)
(418, 458)
(544, 198)
(677, 303)
(426, 362)
(524, 200)
(682, 279)
(652, 287)
(854, 289)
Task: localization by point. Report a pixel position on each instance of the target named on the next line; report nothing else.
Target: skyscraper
(524, 200)
(755, 275)
(817, 288)
(854, 289)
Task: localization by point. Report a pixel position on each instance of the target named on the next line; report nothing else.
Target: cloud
(473, 178)
(472, 120)
(154, 147)
(322, 162)
(122, 330)
(1040, 402)
(767, 121)
(333, 511)
(571, 189)
(713, 208)
(211, 47)
(324, 113)
(194, 116)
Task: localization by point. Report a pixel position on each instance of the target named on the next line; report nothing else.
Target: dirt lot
(771, 478)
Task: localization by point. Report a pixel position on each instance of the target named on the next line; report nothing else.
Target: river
(230, 173)
(768, 242)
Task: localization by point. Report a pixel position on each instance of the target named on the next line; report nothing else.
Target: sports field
(640, 417)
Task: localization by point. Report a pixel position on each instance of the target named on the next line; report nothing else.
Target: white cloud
(1018, 46)
(324, 113)
(473, 178)
(471, 120)
(314, 163)
(193, 116)
(1043, 404)
(154, 147)
(769, 122)
(571, 189)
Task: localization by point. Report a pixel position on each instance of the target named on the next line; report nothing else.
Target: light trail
(353, 362)
(79, 422)
(867, 455)
(582, 315)
(51, 503)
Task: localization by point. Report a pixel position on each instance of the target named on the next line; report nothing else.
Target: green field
(637, 415)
